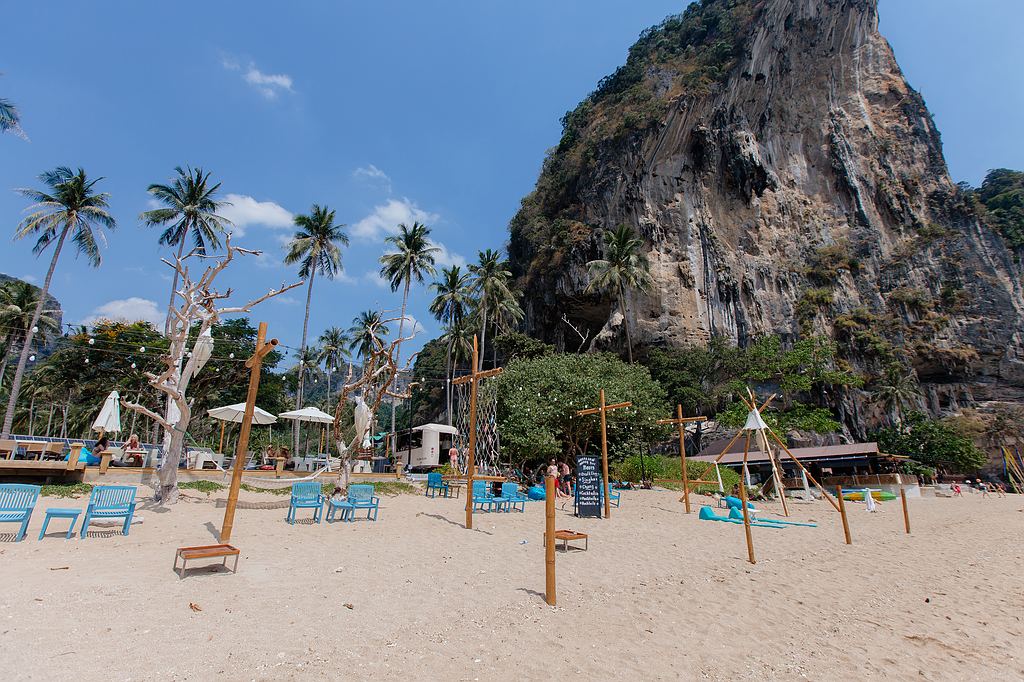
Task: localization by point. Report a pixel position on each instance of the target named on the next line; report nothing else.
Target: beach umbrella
(109, 418)
(310, 414)
(234, 414)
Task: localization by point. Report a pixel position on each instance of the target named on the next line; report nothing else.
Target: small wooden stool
(205, 552)
(566, 535)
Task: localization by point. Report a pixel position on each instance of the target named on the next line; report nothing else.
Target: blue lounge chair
(362, 497)
(735, 513)
(708, 514)
(510, 492)
(17, 500)
(437, 486)
(110, 502)
(306, 495)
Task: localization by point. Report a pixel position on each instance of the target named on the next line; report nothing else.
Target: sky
(387, 112)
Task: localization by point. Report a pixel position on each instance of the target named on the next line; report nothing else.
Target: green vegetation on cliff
(1001, 199)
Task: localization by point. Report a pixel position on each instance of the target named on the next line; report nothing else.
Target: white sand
(659, 595)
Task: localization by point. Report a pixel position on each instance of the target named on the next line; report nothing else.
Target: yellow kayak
(879, 495)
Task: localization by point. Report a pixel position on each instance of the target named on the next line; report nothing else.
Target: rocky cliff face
(786, 180)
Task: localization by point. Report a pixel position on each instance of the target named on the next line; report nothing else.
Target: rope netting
(488, 442)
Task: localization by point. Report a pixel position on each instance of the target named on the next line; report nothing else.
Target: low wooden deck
(31, 468)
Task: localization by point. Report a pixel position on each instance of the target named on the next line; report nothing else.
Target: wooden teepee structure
(755, 428)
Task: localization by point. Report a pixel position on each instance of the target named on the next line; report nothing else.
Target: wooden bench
(566, 535)
(205, 552)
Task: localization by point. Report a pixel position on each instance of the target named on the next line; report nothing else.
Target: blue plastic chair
(110, 502)
(17, 500)
(362, 497)
(510, 491)
(614, 496)
(437, 486)
(482, 496)
(306, 495)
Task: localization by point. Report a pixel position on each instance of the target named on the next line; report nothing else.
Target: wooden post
(549, 540)
(842, 512)
(253, 363)
(602, 409)
(746, 519)
(604, 458)
(220, 448)
(76, 452)
(906, 514)
(473, 378)
(471, 456)
(680, 421)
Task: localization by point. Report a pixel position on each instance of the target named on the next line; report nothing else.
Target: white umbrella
(234, 413)
(308, 414)
(109, 418)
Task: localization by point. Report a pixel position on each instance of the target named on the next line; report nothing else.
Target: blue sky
(385, 111)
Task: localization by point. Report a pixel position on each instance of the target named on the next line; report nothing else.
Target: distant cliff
(786, 180)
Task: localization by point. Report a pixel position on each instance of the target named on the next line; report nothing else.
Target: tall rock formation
(786, 180)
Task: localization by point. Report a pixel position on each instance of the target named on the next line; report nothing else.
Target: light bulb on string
(231, 356)
(133, 365)
(31, 358)
(35, 330)
(87, 361)
(142, 349)
(92, 342)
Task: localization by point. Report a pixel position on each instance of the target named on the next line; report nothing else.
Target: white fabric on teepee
(754, 421)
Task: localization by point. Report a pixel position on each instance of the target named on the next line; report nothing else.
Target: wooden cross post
(253, 363)
(681, 422)
(473, 379)
(603, 409)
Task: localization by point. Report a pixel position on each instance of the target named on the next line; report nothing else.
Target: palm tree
(507, 314)
(491, 286)
(458, 339)
(452, 301)
(10, 119)
(412, 259)
(189, 207)
(897, 390)
(333, 351)
(68, 206)
(18, 301)
(315, 246)
(367, 333)
(623, 267)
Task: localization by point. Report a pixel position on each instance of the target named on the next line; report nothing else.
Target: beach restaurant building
(848, 464)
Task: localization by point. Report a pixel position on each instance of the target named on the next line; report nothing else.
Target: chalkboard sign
(588, 486)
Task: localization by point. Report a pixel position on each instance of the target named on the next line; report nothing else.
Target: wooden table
(566, 535)
(205, 552)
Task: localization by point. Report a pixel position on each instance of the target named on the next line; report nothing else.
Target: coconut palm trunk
(483, 335)
(11, 343)
(448, 373)
(625, 324)
(302, 367)
(398, 355)
(26, 346)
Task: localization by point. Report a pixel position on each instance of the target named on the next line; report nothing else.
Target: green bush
(202, 486)
(662, 467)
(66, 489)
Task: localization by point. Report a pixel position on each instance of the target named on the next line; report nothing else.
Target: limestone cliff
(786, 180)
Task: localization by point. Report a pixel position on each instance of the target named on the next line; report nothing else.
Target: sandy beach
(658, 595)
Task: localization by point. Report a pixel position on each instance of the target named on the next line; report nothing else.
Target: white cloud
(31, 279)
(245, 211)
(374, 278)
(385, 219)
(373, 174)
(286, 300)
(132, 309)
(270, 85)
(446, 258)
(411, 323)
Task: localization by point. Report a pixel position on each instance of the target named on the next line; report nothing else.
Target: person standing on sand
(553, 473)
(563, 478)
(453, 459)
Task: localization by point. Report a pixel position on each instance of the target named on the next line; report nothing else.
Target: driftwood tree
(198, 305)
(375, 383)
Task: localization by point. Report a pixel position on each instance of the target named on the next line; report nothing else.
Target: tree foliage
(1002, 197)
(932, 442)
(538, 400)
